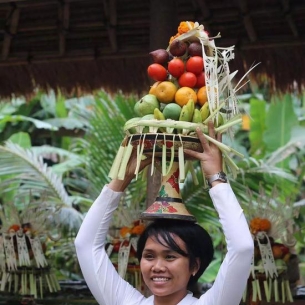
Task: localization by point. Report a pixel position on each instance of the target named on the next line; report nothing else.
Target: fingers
(212, 133)
(202, 138)
(211, 128)
(191, 153)
(219, 137)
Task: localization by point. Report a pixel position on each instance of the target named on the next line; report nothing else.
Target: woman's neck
(172, 299)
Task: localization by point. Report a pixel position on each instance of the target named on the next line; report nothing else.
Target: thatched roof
(105, 43)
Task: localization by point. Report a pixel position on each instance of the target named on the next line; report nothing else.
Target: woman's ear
(196, 268)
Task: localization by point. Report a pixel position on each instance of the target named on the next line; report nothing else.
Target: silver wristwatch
(221, 176)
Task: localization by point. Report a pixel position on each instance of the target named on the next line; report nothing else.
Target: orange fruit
(202, 95)
(152, 89)
(165, 92)
(184, 94)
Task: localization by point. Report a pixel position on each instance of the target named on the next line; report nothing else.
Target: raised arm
(90, 240)
(233, 274)
(105, 284)
(232, 277)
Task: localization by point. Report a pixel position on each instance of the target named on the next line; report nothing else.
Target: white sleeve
(104, 282)
(233, 274)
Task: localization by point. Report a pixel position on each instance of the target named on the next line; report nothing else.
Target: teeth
(160, 279)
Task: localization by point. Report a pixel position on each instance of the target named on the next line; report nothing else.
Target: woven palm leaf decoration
(272, 226)
(24, 268)
(121, 243)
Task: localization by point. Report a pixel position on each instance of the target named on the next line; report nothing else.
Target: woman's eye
(148, 256)
(170, 257)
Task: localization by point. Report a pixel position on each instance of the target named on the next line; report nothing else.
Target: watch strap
(221, 176)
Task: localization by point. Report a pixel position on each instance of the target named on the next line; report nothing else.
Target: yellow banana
(185, 114)
(191, 107)
(158, 115)
(205, 111)
(197, 116)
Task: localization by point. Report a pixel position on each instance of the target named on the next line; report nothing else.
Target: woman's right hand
(120, 185)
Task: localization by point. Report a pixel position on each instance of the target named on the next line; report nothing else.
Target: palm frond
(104, 139)
(67, 160)
(24, 172)
(30, 171)
(252, 173)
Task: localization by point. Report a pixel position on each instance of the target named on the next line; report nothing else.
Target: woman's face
(165, 272)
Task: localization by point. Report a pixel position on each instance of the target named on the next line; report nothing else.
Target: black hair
(198, 242)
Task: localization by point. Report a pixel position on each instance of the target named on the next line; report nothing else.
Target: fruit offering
(121, 249)
(272, 239)
(192, 85)
(24, 268)
(191, 70)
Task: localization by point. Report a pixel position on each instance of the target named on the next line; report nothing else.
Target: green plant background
(62, 148)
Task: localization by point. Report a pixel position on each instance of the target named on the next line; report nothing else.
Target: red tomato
(200, 80)
(187, 79)
(176, 67)
(157, 72)
(194, 64)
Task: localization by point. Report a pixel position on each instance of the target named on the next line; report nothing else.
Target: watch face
(222, 176)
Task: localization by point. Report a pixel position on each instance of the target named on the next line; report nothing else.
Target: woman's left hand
(211, 157)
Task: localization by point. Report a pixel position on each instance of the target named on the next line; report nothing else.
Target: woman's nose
(158, 266)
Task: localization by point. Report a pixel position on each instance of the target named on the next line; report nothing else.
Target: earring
(194, 273)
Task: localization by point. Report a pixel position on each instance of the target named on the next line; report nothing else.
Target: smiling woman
(161, 270)
(172, 253)
(167, 247)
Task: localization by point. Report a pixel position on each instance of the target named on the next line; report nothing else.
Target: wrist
(119, 185)
(219, 177)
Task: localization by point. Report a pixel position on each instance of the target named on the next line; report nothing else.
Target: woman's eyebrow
(163, 251)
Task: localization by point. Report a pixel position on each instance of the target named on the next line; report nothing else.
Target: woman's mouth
(160, 279)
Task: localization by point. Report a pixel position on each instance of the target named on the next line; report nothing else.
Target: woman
(172, 254)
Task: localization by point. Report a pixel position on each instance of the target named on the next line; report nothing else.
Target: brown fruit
(159, 56)
(195, 49)
(178, 47)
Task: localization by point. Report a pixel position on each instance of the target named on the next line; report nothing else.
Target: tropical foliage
(81, 137)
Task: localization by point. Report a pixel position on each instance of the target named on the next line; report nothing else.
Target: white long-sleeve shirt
(109, 288)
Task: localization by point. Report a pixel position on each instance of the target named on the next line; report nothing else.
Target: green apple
(146, 105)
